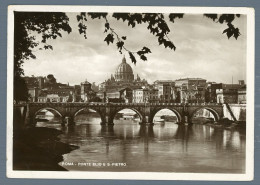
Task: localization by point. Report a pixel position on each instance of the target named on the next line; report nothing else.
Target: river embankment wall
(36, 148)
(238, 110)
(19, 116)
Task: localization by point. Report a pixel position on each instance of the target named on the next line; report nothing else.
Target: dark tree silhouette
(51, 79)
(20, 89)
(30, 26)
(27, 25)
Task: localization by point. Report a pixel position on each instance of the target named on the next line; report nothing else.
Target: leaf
(143, 57)
(124, 37)
(232, 31)
(132, 57)
(78, 18)
(228, 18)
(131, 23)
(120, 45)
(123, 16)
(225, 30)
(211, 16)
(229, 33)
(82, 29)
(169, 44)
(173, 16)
(97, 15)
(236, 33)
(83, 14)
(139, 18)
(146, 50)
(140, 53)
(47, 47)
(221, 19)
(107, 25)
(109, 38)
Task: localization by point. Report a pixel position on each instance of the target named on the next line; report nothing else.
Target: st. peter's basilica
(123, 78)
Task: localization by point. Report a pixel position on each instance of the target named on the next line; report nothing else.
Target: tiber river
(164, 147)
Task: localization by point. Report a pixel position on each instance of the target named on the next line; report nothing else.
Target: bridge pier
(110, 121)
(106, 124)
(189, 120)
(110, 124)
(104, 119)
(69, 120)
(30, 121)
(102, 123)
(185, 119)
(146, 124)
(63, 121)
(146, 121)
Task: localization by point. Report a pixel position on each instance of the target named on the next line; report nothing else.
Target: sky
(202, 51)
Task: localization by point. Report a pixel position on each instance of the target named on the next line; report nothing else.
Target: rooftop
(189, 79)
(231, 86)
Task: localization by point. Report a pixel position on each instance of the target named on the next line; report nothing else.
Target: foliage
(94, 87)
(157, 26)
(28, 26)
(51, 79)
(20, 89)
(228, 19)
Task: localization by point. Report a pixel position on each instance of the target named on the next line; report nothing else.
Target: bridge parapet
(106, 104)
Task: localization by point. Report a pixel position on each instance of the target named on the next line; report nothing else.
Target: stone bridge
(107, 111)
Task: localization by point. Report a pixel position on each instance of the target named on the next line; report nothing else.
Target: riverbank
(224, 123)
(230, 125)
(39, 149)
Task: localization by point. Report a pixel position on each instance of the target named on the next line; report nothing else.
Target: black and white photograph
(130, 92)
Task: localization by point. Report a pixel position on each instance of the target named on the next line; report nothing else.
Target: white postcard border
(137, 175)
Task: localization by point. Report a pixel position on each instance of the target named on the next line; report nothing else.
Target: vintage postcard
(102, 92)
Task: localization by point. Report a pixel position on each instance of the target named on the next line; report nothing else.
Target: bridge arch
(138, 112)
(211, 110)
(178, 115)
(47, 108)
(97, 110)
(33, 115)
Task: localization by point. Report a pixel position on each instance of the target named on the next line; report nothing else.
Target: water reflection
(166, 147)
(146, 132)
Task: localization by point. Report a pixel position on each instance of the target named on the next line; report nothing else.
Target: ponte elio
(107, 111)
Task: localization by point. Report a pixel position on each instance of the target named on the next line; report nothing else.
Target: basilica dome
(124, 72)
